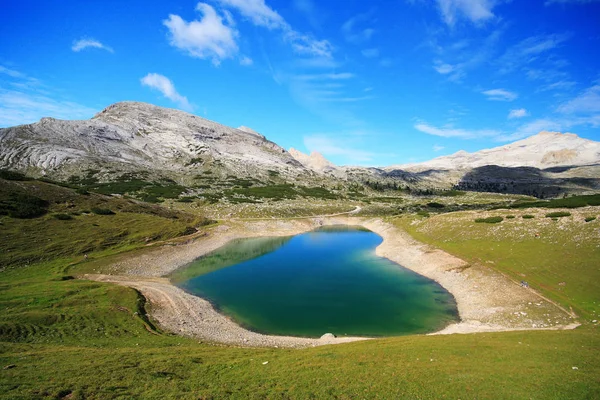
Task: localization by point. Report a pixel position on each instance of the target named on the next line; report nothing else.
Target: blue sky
(365, 83)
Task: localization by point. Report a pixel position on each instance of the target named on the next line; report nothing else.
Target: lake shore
(487, 301)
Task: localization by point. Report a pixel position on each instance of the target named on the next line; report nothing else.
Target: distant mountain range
(131, 139)
(544, 150)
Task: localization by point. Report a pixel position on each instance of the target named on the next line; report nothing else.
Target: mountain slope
(131, 136)
(544, 150)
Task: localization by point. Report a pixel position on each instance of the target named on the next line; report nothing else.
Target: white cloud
(518, 113)
(443, 69)
(307, 45)
(587, 102)
(450, 132)
(353, 33)
(258, 12)
(500, 95)
(246, 61)
(370, 53)
(85, 43)
(437, 148)
(17, 108)
(476, 11)
(330, 147)
(166, 87)
(208, 38)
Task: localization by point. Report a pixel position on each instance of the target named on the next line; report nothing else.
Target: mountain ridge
(132, 140)
(544, 150)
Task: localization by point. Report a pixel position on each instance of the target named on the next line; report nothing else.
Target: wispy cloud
(309, 9)
(370, 53)
(437, 148)
(258, 13)
(330, 76)
(456, 59)
(530, 129)
(560, 85)
(587, 102)
(451, 132)
(354, 32)
(500, 95)
(87, 43)
(207, 38)
(11, 72)
(246, 61)
(529, 50)
(166, 87)
(443, 69)
(17, 108)
(550, 2)
(476, 11)
(518, 113)
(32, 102)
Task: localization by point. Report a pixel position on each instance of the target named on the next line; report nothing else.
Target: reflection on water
(234, 252)
(328, 280)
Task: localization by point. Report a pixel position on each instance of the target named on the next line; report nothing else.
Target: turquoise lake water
(328, 280)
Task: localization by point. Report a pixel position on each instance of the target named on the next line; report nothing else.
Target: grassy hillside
(67, 338)
(556, 252)
(44, 221)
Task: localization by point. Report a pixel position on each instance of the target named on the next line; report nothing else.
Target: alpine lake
(325, 281)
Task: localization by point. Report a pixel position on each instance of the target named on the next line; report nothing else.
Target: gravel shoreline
(487, 301)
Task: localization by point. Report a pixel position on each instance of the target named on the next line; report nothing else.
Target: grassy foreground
(89, 340)
(68, 338)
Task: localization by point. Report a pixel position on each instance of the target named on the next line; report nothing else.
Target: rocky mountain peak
(133, 135)
(314, 161)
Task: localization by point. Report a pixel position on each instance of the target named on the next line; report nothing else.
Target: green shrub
(82, 191)
(558, 214)
(188, 230)
(149, 198)
(102, 211)
(528, 216)
(489, 220)
(13, 175)
(433, 204)
(423, 213)
(589, 219)
(510, 217)
(22, 205)
(62, 217)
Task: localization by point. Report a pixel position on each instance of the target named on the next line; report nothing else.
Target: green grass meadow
(64, 338)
